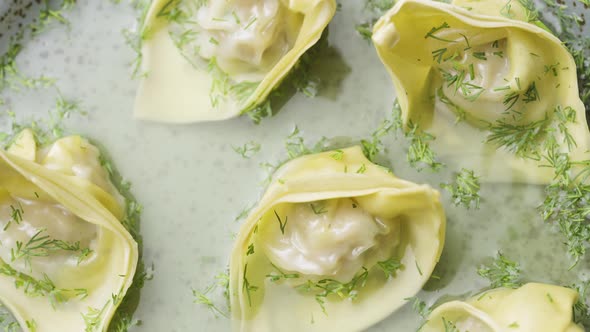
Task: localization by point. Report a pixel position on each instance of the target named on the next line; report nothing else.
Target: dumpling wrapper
(531, 308)
(325, 176)
(66, 176)
(175, 91)
(524, 54)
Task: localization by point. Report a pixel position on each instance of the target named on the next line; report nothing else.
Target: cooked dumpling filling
(247, 38)
(46, 237)
(335, 238)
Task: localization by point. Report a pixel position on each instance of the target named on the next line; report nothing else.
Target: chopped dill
(502, 272)
(420, 154)
(42, 245)
(390, 267)
(296, 147)
(431, 33)
(203, 297)
(329, 287)
(438, 54)
(43, 287)
(531, 94)
(459, 80)
(373, 146)
(318, 208)
(16, 215)
(337, 155)
(280, 275)
(247, 150)
(465, 189)
(522, 140)
(419, 306)
(282, 224)
(362, 169)
(480, 55)
(247, 287)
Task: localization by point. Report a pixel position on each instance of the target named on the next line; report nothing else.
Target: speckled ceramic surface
(193, 185)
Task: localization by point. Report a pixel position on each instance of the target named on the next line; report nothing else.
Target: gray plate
(193, 185)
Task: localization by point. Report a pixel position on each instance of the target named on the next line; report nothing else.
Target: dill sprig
(419, 306)
(373, 146)
(43, 287)
(279, 275)
(40, 245)
(247, 150)
(390, 267)
(246, 286)
(325, 288)
(244, 212)
(502, 272)
(318, 208)
(465, 189)
(172, 12)
(459, 79)
(282, 224)
(260, 112)
(520, 139)
(434, 30)
(420, 154)
(203, 297)
(93, 317)
(16, 215)
(296, 147)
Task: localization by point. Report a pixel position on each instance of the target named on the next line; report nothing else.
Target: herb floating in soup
(338, 240)
(66, 260)
(215, 60)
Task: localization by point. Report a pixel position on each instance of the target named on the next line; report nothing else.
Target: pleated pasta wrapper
(217, 59)
(531, 308)
(498, 92)
(335, 244)
(66, 261)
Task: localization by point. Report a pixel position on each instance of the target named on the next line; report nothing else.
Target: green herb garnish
(390, 267)
(465, 189)
(328, 287)
(503, 272)
(248, 149)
